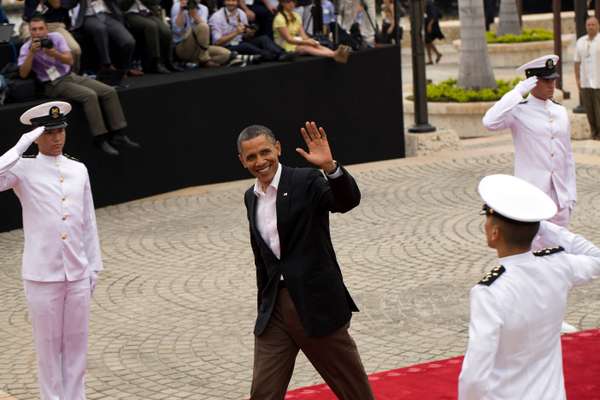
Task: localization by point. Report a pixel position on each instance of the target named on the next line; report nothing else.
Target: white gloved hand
(28, 138)
(93, 280)
(525, 86)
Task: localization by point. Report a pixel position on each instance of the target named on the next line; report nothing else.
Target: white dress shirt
(587, 52)
(514, 334)
(542, 137)
(266, 211)
(59, 222)
(139, 8)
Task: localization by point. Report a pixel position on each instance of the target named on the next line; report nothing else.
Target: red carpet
(438, 380)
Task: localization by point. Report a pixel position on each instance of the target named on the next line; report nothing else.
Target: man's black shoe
(125, 141)
(287, 57)
(108, 148)
(174, 68)
(255, 59)
(159, 68)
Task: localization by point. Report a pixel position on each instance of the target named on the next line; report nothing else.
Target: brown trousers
(95, 97)
(335, 357)
(590, 100)
(196, 48)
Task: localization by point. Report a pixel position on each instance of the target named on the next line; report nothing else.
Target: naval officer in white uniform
(541, 134)
(516, 310)
(61, 259)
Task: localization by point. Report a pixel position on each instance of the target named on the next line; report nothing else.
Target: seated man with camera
(229, 28)
(48, 55)
(191, 35)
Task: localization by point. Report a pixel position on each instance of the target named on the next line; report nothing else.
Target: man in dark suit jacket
(303, 303)
(102, 21)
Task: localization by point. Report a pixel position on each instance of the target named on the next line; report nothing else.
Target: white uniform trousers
(561, 218)
(59, 314)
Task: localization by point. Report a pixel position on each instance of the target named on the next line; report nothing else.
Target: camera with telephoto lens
(46, 43)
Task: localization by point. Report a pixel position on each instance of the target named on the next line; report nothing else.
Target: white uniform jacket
(514, 347)
(542, 137)
(59, 221)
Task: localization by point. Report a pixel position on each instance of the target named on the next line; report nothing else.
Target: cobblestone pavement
(172, 315)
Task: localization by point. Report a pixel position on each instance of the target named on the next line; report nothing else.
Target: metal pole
(580, 18)
(558, 46)
(520, 11)
(597, 12)
(418, 67)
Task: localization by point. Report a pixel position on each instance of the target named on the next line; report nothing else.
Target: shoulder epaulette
(523, 102)
(491, 276)
(555, 102)
(71, 157)
(547, 252)
(28, 156)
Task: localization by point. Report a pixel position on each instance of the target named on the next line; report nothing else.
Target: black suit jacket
(110, 4)
(308, 262)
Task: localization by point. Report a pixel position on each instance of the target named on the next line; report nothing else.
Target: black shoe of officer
(107, 148)
(122, 140)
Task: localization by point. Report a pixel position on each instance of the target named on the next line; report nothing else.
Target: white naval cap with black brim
(50, 115)
(515, 199)
(543, 67)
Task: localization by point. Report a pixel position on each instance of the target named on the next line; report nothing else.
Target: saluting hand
(319, 153)
(527, 85)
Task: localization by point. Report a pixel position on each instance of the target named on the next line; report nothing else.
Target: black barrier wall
(188, 123)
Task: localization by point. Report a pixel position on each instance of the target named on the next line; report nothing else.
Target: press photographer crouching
(229, 28)
(48, 55)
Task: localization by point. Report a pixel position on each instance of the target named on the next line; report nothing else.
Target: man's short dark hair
(515, 233)
(37, 17)
(252, 131)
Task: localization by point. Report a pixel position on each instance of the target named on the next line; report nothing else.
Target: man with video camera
(48, 56)
(229, 28)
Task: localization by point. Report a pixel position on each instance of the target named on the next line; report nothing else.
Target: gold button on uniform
(62, 179)
(63, 236)
(64, 217)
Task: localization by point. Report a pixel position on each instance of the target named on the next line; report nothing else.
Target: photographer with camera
(48, 56)
(191, 36)
(56, 14)
(229, 28)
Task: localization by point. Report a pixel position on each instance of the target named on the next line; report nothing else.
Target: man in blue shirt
(229, 28)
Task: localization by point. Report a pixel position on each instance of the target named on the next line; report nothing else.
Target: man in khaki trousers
(191, 35)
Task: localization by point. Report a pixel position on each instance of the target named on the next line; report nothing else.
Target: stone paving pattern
(173, 313)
